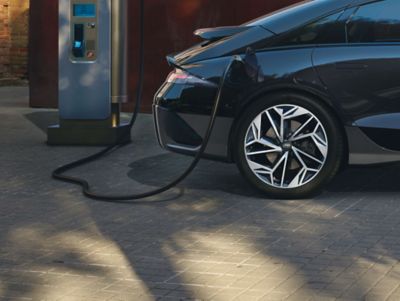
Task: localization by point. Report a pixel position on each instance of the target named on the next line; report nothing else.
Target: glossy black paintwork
(288, 19)
(211, 34)
(362, 80)
(238, 93)
(235, 44)
(296, 72)
(359, 83)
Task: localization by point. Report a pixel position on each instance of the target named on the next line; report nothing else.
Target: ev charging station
(93, 54)
(93, 48)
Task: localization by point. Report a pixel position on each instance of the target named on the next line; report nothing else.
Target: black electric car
(318, 88)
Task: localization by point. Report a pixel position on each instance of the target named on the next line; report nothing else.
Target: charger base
(88, 136)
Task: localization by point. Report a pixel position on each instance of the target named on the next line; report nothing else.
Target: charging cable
(59, 173)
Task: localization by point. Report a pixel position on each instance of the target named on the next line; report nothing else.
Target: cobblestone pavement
(216, 239)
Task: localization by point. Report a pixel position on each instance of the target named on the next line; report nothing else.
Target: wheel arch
(304, 91)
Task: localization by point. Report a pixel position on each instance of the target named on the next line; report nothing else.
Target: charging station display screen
(85, 10)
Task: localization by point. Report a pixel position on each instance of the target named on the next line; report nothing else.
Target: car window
(328, 30)
(375, 22)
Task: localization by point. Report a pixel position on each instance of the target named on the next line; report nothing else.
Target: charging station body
(88, 115)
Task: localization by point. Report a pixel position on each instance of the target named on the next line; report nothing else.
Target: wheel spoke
(267, 151)
(282, 127)
(281, 160)
(323, 148)
(295, 151)
(322, 141)
(267, 143)
(271, 120)
(307, 155)
(300, 129)
(255, 132)
(259, 168)
(302, 137)
(256, 127)
(297, 181)
(291, 111)
(286, 156)
(296, 113)
(251, 143)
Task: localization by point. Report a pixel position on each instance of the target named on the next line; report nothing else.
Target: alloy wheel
(286, 146)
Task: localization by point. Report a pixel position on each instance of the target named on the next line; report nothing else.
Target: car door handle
(351, 66)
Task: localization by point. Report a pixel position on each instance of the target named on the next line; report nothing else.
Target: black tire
(334, 135)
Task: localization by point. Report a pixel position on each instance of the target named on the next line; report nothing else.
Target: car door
(363, 74)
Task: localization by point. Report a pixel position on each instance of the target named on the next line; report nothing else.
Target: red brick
(13, 38)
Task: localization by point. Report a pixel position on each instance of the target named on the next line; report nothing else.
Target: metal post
(119, 51)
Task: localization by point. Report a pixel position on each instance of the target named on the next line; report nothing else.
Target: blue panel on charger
(85, 10)
(78, 44)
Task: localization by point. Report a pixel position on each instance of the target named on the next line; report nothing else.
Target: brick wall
(13, 41)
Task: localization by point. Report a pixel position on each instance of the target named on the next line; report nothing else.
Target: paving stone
(227, 294)
(216, 238)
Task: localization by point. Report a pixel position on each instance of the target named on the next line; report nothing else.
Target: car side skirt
(364, 151)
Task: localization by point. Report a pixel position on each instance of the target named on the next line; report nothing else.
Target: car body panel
(351, 73)
(229, 45)
(299, 14)
(297, 73)
(217, 33)
(363, 81)
(194, 104)
(358, 83)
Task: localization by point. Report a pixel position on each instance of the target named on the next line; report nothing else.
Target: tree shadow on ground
(218, 238)
(212, 175)
(220, 233)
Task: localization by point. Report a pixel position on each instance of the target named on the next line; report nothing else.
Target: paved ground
(216, 239)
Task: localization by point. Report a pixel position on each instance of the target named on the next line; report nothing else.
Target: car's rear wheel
(288, 145)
